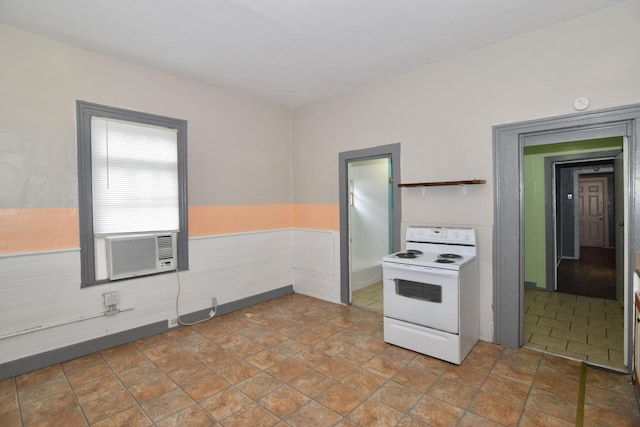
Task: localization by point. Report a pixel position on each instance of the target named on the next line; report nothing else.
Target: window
(131, 180)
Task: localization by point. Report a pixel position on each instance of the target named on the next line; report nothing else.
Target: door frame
(508, 260)
(391, 151)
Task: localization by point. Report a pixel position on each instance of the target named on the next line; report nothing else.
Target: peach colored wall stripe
(44, 229)
(213, 220)
(38, 229)
(317, 217)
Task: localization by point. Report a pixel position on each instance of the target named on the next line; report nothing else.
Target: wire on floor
(212, 313)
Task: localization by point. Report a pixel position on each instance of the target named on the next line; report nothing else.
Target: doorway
(370, 215)
(570, 305)
(591, 272)
(509, 143)
(369, 221)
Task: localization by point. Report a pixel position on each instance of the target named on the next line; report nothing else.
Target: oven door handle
(422, 269)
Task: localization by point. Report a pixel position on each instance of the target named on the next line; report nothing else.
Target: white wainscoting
(316, 264)
(43, 289)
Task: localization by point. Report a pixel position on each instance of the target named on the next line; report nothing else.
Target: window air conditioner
(141, 254)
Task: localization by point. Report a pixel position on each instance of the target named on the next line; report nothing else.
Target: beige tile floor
(299, 361)
(583, 328)
(369, 297)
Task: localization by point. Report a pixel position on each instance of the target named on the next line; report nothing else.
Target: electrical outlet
(111, 298)
(173, 323)
(214, 302)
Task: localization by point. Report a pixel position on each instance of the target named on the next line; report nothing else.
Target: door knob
(621, 223)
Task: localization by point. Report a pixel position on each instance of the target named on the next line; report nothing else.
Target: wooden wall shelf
(434, 184)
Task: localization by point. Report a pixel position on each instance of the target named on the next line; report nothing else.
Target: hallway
(593, 275)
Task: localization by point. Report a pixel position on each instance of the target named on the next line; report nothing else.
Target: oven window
(417, 290)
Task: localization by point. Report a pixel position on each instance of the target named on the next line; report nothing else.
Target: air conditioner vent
(165, 247)
(142, 254)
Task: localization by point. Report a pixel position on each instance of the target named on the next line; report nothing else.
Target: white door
(592, 211)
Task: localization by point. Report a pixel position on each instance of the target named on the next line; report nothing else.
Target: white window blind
(134, 177)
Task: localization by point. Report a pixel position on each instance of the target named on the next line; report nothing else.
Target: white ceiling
(287, 51)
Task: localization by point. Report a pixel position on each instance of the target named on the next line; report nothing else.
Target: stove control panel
(448, 235)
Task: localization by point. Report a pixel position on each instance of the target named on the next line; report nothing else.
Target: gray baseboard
(42, 360)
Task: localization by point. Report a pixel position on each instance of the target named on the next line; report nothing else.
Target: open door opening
(370, 226)
(586, 262)
(570, 304)
(369, 221)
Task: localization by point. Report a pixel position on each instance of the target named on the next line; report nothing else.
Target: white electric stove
(431, 292)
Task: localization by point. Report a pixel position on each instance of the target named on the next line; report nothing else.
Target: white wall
(316, 264)
(443, 114)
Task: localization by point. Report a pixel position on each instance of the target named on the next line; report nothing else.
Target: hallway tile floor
(299, 361)
(583, 328)
(369, 297)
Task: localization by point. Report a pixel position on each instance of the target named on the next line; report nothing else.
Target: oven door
(424, 296)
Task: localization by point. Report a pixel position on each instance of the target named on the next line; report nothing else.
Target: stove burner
(406, 255)
(414, 251)
(444, 261)
(451, 256)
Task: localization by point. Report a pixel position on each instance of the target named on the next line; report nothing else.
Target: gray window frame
(84, 112)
